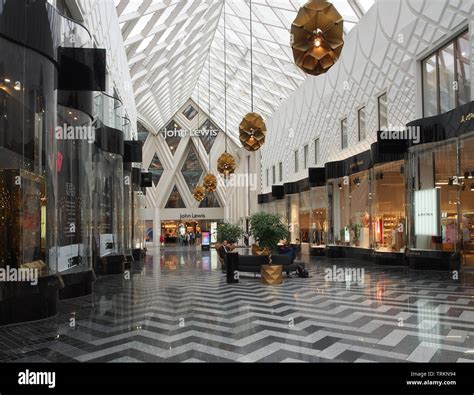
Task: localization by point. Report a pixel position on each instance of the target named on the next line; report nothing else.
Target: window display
(389, 208)
(292, 209)
(319, 226)
(435, 197)
(304, 220)
(467, 198)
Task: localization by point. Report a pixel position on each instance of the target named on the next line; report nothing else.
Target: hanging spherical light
(317, 37)
(252, 132)
(199, 193)
(210, 183)
(226, 164)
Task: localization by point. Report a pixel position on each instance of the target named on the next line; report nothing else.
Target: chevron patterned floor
(178, 308)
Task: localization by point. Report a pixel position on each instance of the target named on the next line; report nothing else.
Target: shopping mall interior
(236, 181)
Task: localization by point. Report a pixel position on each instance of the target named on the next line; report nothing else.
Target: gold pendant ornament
(252, 132)
(210, 183)
(226, 164)
(317, 37)
(199, 193)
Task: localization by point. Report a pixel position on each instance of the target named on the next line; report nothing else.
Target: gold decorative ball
(226, 164)
(199, 193)
(210, 183)
(252, 132)
(317, 37)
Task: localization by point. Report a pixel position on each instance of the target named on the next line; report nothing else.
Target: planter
(259, 251)
(271, 274)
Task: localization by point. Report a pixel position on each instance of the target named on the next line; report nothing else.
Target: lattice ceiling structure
(169, 44)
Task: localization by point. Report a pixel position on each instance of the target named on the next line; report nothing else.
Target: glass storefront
(108, 178)
(318, 221)
(388, 198)
(350, 210)
(28, 149)
(293, 216)
(442, 198)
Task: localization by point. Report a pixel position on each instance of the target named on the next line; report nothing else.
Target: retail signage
(196, 214)
(427, 212)
(192, 216)
(206, 239)
(182, 133)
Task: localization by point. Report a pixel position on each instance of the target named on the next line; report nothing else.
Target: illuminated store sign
(427, 212)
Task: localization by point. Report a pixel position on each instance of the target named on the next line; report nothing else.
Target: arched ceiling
(170, 45)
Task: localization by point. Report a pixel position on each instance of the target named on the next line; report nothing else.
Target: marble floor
(178, 308)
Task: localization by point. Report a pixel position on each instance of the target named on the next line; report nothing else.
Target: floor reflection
(177, 306)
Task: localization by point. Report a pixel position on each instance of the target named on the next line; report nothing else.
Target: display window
(467, 199)
(434, 200)
(318, 219)
(304, 217)
(293, 211)
(350, 209)
(139, 205)
(388, 201)
(28, 157)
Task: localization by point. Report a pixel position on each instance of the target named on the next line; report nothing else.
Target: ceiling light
(7, 80)
(199, 193)
(316, 52)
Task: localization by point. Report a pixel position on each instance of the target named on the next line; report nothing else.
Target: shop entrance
(175, 232)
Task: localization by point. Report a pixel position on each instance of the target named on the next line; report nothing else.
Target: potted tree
(231, 233)
(267, 230)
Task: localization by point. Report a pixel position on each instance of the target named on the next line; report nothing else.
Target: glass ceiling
(170, 43)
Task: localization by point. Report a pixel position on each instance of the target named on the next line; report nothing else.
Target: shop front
(441, 196)
(349, 204)
(388, 207)
(318, 224)
(176, 224)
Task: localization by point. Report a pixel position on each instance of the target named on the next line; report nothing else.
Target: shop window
(467, 199)
(192, 170)
(280, 172)
(382, 110)
(305, 214)
(175, 200)
(319, 227)
(316, 151)
(297, 165)
(362, 124)
(446, 77)
(156, 169)
(435, 198)
(344, 133)
(274, 174)
(349, 201)
(388, 202)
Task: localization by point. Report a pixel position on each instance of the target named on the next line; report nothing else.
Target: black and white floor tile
(179, 308)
